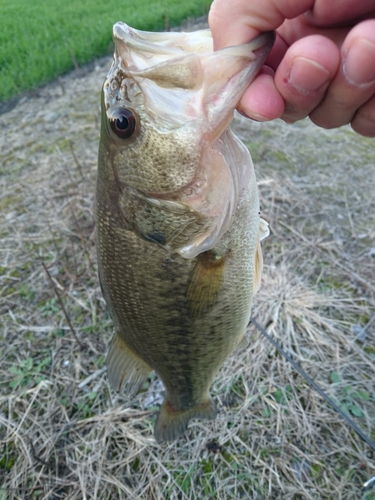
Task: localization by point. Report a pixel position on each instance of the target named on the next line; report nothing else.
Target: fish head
(166, 102)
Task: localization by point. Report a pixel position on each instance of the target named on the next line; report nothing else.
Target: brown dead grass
(65, 434)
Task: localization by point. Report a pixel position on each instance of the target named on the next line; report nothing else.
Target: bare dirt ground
(64, 434)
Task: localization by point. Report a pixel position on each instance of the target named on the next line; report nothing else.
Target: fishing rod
(371, 482)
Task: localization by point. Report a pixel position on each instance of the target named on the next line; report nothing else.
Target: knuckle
(364, 119)
(323, 121)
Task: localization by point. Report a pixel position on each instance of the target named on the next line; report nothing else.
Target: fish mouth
(176, 43)
(264, 41)
(132, 44)
(170, 43)
(169, 64)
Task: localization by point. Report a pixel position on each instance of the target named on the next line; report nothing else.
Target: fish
(177, 213)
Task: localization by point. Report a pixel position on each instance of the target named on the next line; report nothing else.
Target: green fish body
(178, 225)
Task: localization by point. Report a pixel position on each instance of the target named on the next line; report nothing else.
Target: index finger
(238, 21)
(340, 12)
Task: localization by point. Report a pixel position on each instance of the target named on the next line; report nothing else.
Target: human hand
(322, 64)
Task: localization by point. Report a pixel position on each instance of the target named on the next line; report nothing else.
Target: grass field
(42, 40)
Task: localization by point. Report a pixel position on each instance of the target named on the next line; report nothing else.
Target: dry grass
(65, 434)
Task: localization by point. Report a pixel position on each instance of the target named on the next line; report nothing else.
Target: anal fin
(171, 422)
(126, 371)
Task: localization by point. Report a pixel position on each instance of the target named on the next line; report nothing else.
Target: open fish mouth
(186, 62)
(172, 43)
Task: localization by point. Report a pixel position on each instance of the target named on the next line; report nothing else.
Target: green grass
(43, 39)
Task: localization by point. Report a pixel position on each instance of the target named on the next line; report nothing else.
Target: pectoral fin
(206, 282)
(126, 371)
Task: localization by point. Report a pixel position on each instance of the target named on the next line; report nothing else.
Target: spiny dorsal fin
(264, 229)
(126, 371)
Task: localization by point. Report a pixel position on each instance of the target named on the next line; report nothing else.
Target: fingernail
(254, 116)
(307, 76)
(242, 113)
(359, 63)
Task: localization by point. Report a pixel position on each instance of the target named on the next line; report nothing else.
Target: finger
(337, 12)
(304, 75)
(261, 100)
(238, 21)
(364, 120)
(354, 83)
(293, 30)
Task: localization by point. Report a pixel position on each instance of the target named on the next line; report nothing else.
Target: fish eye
(122, 122)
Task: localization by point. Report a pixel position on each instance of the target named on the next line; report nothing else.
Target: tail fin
(171, 422)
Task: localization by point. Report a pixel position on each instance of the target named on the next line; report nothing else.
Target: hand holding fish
(322, 64)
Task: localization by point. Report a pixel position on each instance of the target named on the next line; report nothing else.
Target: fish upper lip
(155, 42)
(151, 42)
(266, 41)
(263, 44)
(256, 49)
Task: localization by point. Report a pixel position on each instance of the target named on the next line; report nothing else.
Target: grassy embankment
(42, 40)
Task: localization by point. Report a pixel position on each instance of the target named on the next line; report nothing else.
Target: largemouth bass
(178, 225)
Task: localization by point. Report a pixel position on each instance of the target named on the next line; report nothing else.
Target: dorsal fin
(258, 263)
